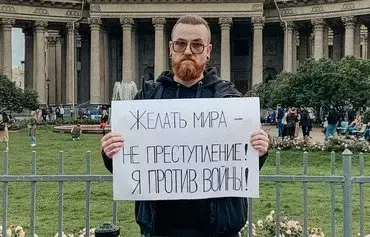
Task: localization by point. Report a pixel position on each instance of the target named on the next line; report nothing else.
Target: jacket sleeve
(262, 160)
(107, 162)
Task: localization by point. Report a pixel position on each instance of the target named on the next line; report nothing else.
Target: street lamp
(47, 91)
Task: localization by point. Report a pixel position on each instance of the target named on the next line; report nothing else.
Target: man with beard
(190, 50)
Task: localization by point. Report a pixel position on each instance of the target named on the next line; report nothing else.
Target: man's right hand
(111, 143)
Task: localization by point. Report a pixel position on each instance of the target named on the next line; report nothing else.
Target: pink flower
(292, 224)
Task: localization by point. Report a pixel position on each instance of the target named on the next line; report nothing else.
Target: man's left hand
(260, 142)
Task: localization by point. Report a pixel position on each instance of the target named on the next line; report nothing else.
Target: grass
(49, 144)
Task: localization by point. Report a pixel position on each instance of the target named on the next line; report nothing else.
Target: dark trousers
(290, 131)
(305, 130)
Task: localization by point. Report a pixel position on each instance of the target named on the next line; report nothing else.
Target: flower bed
(288, 228)
(336, 144)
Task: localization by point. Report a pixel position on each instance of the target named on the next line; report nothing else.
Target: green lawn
(49, 144)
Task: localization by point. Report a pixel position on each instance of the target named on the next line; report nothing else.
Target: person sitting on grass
(76, 132)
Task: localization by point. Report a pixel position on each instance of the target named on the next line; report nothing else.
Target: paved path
(316, 134)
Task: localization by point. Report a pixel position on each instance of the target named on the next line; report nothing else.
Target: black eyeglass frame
(187, 44)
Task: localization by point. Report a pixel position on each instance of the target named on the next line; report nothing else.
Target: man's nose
(188, 50)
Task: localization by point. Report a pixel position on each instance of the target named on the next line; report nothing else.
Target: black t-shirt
(172, 216)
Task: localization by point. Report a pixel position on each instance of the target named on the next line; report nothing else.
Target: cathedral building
(75, 50)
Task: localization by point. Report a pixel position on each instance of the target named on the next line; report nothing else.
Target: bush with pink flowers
(288, 228)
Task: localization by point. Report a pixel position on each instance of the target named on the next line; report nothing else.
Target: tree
(14, 99)
(319, 84)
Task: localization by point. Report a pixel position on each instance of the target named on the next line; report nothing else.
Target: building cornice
(38, 12)
(163, 9)
(336, 9)
(64, 4)
(167, 1)
(299, 3)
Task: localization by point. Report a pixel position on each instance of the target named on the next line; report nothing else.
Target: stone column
(28, 60)
(106, 67)
(114, 59)
(311, 46)
(39, 59)
(95, 24)
(357, 40)
(288, 46)
(326, 41)
(368, 41)
(337, 43)
(58, 71)
(134, 56)
(303, 45)
(318, 25)
(349, 22)
(127, 24)
(159, 54)
(294, 49)
(364, 48)
(1, 50)
(70, 64)
(50, 87)
(7, 25)
(225, 24)
(102, 64)
(257, 67)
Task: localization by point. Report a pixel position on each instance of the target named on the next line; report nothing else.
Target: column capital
(40, 25)
(318, 23)
(225, 22)
(94, 23)
(51, 40)
(69, 26)
(349, 21)
(127, 23)
(7, 23)
(159, 23)
(258, 22)
(289, 25)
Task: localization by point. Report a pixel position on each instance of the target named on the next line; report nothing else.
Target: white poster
(186, 148)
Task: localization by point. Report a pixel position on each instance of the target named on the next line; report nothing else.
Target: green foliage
(320, 83)
(14, 99)
(367, 116)
(30, 99)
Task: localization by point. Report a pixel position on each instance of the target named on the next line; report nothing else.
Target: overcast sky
(17, 46)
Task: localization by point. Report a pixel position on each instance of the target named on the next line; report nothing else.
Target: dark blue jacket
(226, 215)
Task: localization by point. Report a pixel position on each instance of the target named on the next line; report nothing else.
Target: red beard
(187, 69)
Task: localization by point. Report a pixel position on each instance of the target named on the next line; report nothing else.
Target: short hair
(192, 20)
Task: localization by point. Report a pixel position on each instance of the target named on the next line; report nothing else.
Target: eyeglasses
(195, 47)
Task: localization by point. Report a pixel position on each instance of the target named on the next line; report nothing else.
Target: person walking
(332, 120)
(305, 123)
(280, 116)
(61, 113)
(4, 134)
(32, 131)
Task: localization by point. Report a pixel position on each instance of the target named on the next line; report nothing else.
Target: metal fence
(346, 179)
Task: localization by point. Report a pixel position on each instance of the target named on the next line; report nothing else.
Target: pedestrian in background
(32, 130)
(4, 135)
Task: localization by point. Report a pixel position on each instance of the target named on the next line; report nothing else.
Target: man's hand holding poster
(186, 149)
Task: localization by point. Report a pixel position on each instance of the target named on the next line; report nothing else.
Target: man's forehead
(191, 32)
